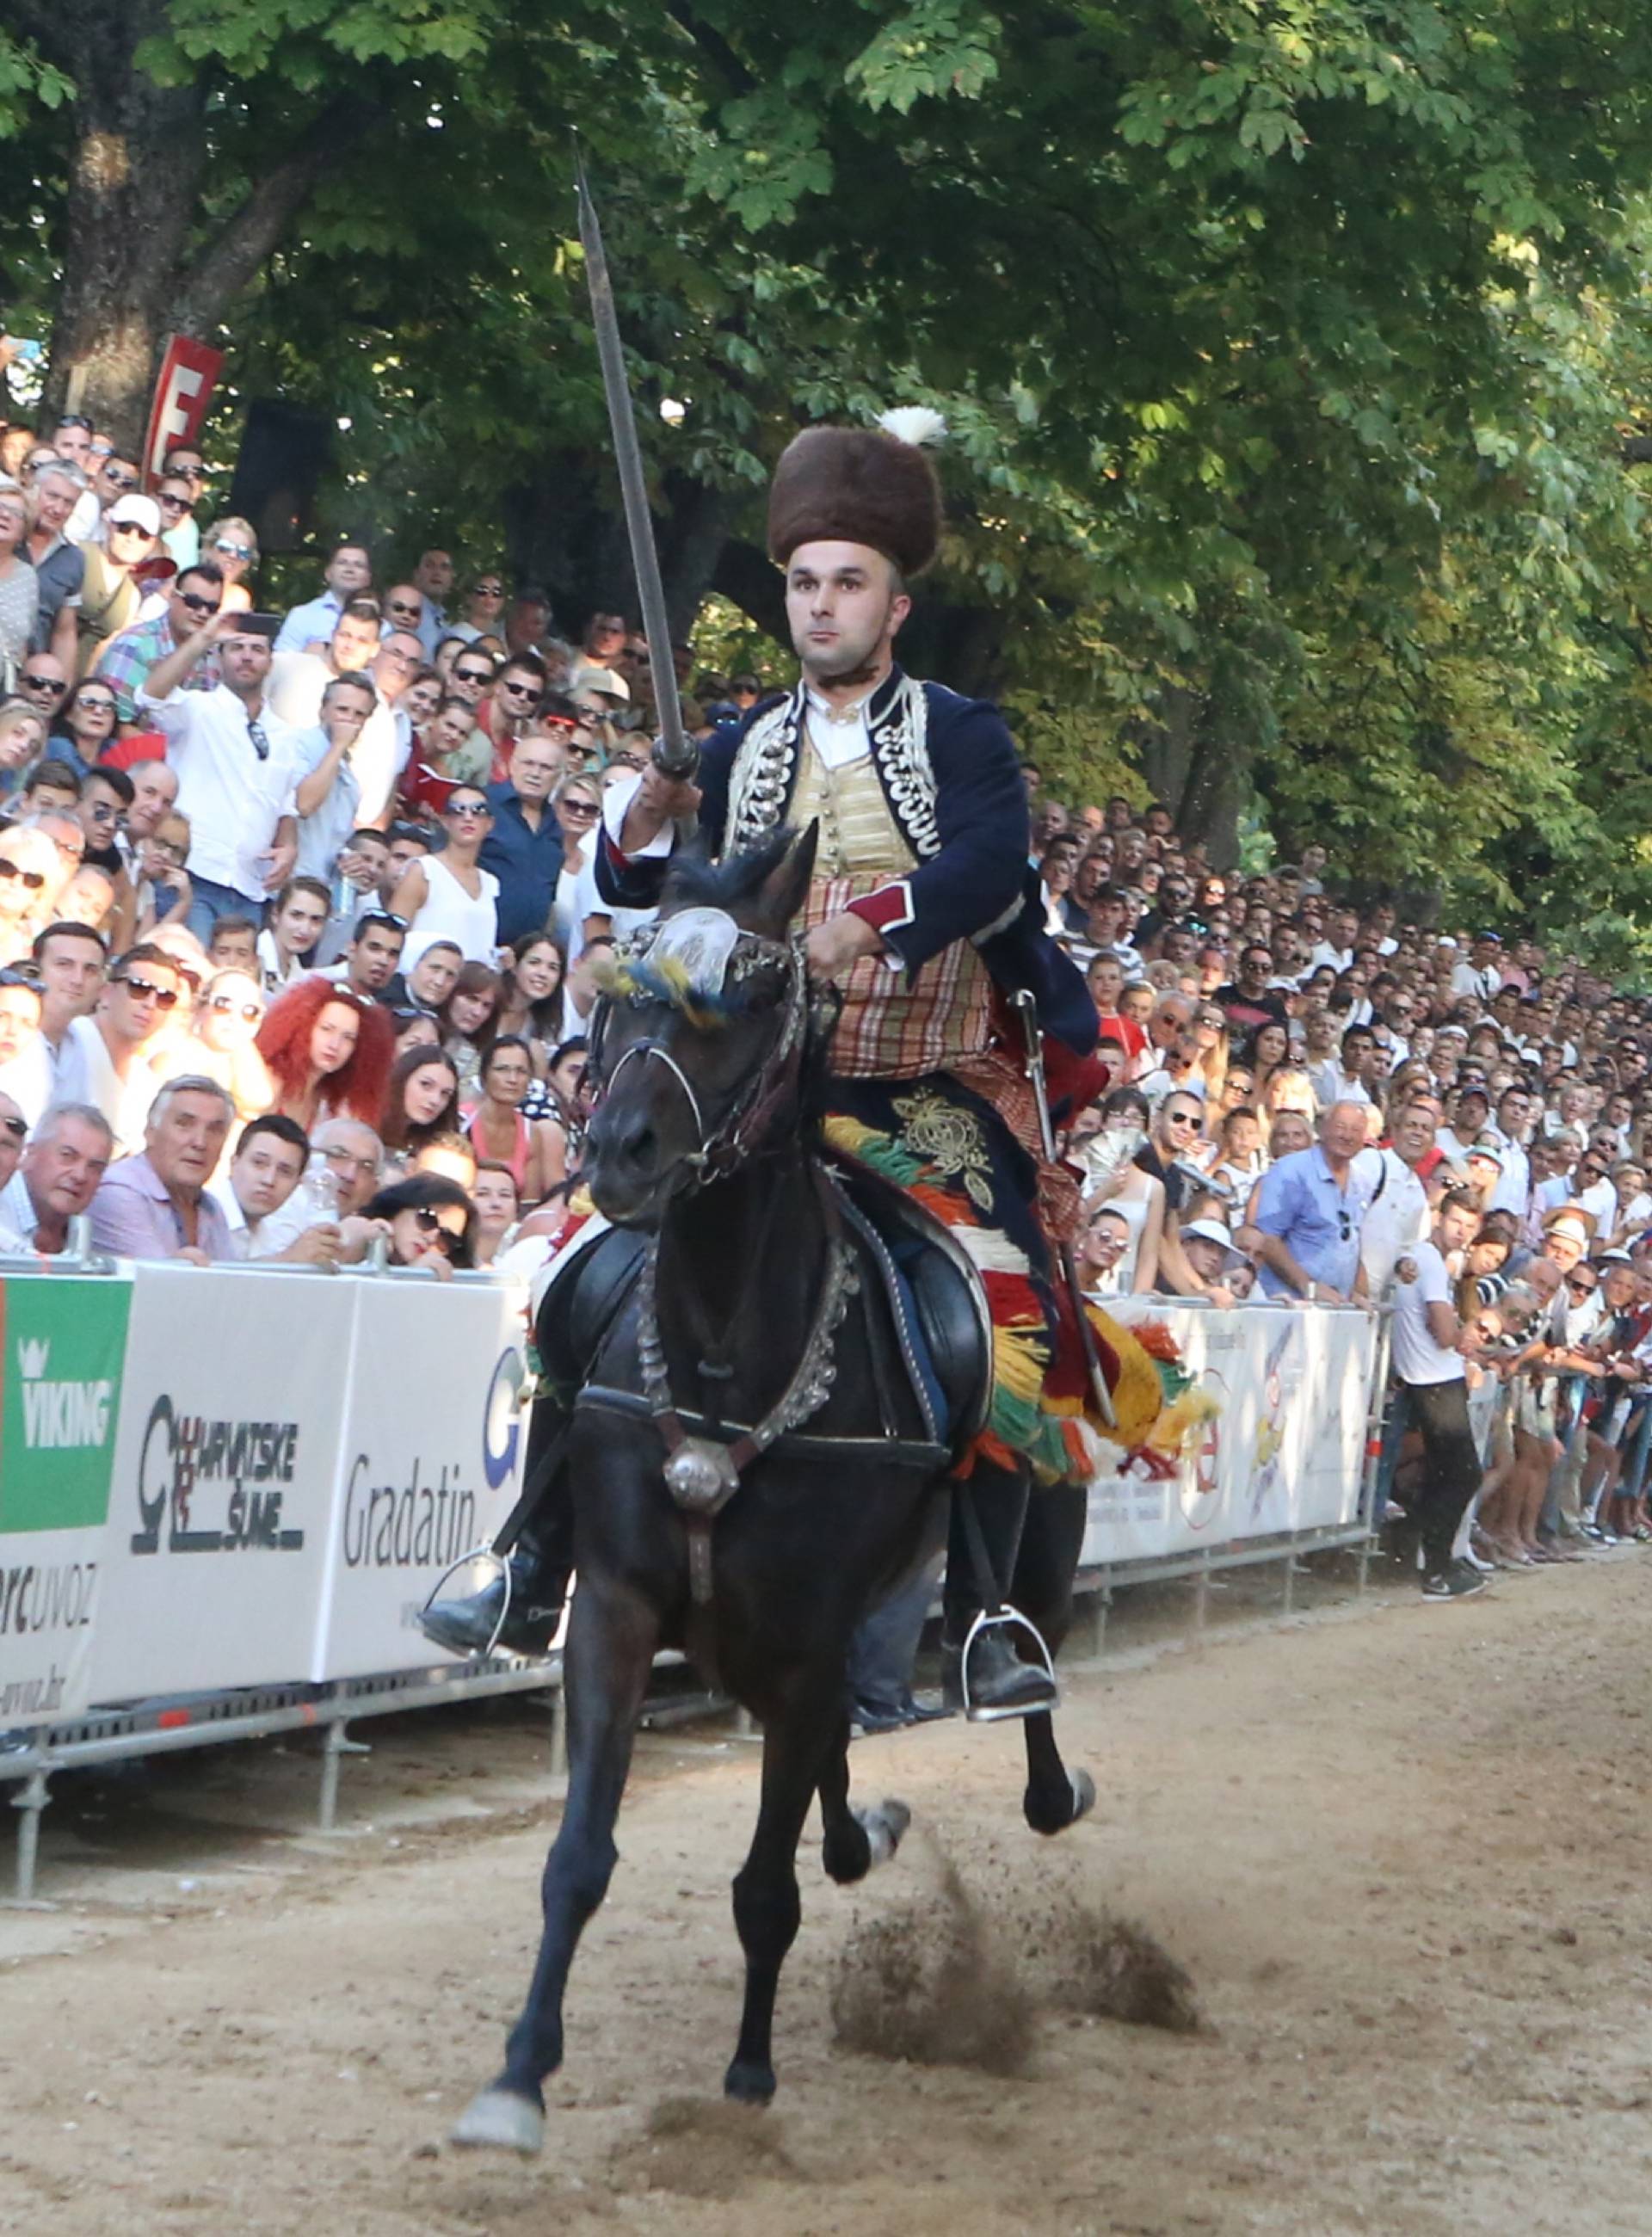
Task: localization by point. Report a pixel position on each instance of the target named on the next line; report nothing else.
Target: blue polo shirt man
(523, 848)
(1312, 1207)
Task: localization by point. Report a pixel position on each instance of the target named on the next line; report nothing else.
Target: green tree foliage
(1290, 346)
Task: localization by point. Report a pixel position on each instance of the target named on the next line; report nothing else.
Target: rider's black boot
(536, 1592)
(520, 1611)
(981, 1669)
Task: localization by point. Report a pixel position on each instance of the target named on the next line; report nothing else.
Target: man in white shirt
(106, 1063)
(267, 1168)
(1513, 1191)
(298, 680)
(349, 575)
(1482, 975)
(1398, 1217)
(71, 962)
(1337, 948)
(1429, 1366)
(238, 767)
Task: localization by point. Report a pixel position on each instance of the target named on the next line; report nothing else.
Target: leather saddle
(930, 1327)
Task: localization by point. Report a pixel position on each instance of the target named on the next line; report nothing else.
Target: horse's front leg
(854, 1839)
(802, 1729)
(612, 1635)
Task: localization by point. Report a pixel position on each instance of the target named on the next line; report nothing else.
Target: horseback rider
(925, 913)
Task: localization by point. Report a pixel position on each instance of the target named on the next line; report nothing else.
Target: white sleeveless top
(449, 912)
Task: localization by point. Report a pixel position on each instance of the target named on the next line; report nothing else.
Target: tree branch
(232, 258)
(714, 47)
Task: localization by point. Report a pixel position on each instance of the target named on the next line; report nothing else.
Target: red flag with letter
(188, 372)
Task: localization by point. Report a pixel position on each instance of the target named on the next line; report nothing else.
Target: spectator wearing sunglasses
(180, 533)
(470, 675)
(30, 878)
(125, 662)
(508, 710)
(231, 544)
(432, 1222)
(449, 896)
(44, 681)
(59, 566)
(114, 476)
(1310, 1210)
(404, 608)
(483, 603)
(85, 726)
(105, 1060)
(155, 1204)
(111, 594)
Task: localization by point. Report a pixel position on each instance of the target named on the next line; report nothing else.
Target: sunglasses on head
(55, 684)
(164, 998)
(380, 916)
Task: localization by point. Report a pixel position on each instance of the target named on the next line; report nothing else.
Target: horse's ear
(786, 887)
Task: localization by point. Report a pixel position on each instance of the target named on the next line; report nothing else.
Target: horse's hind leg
(854, 1841)
(611, 1638)
(1055, 1797)
(801, 1728)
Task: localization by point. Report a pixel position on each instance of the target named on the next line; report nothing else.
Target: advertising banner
(63, 1342)
(430, 1463)
(225, 1466)
(1284, 1390)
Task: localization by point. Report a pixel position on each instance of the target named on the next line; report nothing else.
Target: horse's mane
(696, 881)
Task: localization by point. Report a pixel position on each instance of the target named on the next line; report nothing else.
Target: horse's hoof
(749, 2083)
(497, 2119)
(883, 1827)
(1077, 1802)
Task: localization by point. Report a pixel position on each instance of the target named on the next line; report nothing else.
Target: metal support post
(32, 1800)
(1201, 1596)
(336, 1745)
(559, 1734)
(1290, 1574)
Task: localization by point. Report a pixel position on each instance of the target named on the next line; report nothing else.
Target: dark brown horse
(753, 1309)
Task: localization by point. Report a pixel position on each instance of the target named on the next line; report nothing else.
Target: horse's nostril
(635, 1141)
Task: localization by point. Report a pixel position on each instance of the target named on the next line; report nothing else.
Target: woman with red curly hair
(328, 1052)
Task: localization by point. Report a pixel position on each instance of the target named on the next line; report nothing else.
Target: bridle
(749, 1118)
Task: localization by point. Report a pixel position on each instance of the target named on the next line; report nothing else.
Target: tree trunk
(134, 180)
(138, 263)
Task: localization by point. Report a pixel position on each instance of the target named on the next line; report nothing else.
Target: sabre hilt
(676, 759)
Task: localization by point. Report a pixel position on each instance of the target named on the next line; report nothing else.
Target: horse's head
(699, 1040)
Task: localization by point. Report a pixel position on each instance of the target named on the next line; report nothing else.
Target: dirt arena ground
(1401, 1849)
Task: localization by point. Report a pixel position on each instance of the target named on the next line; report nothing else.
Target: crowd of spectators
(298, 920)
(1316, 1103)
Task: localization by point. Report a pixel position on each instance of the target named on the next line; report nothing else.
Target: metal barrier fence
(289, 1514)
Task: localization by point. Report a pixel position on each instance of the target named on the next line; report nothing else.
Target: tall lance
(675, 754)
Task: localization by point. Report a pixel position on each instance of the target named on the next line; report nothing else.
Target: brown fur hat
(872, 485)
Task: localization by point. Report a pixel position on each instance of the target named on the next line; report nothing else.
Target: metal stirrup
(1007, 1617)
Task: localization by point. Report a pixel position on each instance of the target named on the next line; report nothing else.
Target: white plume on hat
(914, 423)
